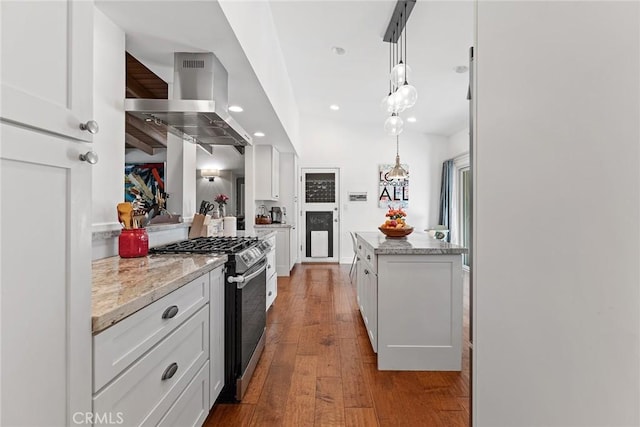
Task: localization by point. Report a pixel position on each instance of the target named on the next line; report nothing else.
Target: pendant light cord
(400, 38)
(405, 42)
(390, 65)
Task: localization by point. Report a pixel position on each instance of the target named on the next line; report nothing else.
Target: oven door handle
(243, 280)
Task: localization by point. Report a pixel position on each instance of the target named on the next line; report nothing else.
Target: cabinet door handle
(270, 293)
(170, 371)
(369, 257)
(269, 266)
(366, 271)
(170, 312)
(91, 126)
(89, 157)
(359, 246)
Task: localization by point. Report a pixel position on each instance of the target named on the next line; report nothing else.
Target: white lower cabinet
(367, 293)
(163, 365)
(283, 258)
(146, 390)
(192, 407)
(119, 346)
(272, 276)
(216, 335)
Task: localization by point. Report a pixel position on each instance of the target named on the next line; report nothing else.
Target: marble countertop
(417, 243)
(272, 225)
(122, 286)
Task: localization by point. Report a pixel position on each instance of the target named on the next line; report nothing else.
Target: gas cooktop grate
(207, 245)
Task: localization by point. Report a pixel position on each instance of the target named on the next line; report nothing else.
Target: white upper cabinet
(45, 334)
(47, 65)
(267, 169)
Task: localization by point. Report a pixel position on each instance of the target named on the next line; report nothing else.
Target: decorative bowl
(396, 232)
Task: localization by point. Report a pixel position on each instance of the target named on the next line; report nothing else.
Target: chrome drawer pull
(170, 312)
(170, 371)
(366, 271)
(270, 293)
(369, 257)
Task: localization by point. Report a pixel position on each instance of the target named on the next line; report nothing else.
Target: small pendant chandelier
(398, 172)
(402, 95)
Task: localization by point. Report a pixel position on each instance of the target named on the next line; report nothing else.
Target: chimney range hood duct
(198, 111)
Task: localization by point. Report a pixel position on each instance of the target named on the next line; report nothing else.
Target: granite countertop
(417, 243)
(272, 225)
(122, 286)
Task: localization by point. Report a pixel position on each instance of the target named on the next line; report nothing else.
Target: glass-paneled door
(320, 215)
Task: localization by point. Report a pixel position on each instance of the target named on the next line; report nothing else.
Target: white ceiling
(439, 36)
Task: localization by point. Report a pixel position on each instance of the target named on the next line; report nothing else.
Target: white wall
(458, 143)
(557, 195)
(253, 26)
(179, 174)
(224, 184)
(357, 149)
(108, 106)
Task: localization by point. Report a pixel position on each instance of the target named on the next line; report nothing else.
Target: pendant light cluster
(402, 95)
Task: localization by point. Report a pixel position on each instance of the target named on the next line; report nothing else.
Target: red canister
(133, 242)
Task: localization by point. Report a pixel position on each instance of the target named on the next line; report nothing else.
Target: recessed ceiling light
(258, 134)
(236, 109)
(411, 119)
(334, 107)
(338, 50)
(460, 69)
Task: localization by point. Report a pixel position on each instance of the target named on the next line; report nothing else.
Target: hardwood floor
(318, 368)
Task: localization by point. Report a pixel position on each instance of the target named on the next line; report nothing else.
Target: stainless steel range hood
(198, 111)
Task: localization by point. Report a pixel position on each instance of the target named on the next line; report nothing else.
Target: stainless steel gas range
(245, 299)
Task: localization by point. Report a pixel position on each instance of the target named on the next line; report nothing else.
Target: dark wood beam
(136, 90)
(135, 142)
(150, 130)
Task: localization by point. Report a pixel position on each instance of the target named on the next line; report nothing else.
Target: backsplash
(104, 244)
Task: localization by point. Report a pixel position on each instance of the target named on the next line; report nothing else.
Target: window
(464, 218)
(461, 211)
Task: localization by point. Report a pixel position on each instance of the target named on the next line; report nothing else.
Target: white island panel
(420, 312)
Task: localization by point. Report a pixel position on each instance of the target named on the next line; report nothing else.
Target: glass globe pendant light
(394, 125)
(392, 103)
(401, 71)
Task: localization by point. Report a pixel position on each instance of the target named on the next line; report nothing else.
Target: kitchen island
(409, 292)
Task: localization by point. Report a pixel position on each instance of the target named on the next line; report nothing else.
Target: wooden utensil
(124, 214)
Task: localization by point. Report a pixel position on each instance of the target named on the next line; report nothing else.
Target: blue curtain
(446, 196)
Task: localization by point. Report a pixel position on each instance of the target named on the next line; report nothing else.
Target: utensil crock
(133, 243)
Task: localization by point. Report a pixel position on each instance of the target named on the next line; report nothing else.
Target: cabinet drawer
(365, 252)
(119, 346)
(271, 263)
(141, 394)
(192, 407)
(272, 289)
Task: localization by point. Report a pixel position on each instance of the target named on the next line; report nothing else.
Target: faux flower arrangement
(221, 199)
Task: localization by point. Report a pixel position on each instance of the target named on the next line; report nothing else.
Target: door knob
(335, 220)
(89, 157)
(91, 126)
